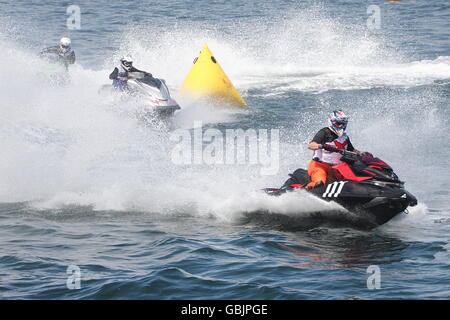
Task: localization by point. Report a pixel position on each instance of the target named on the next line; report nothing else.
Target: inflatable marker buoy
(206, 78)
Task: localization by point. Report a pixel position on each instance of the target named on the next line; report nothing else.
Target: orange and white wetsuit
(319, 168)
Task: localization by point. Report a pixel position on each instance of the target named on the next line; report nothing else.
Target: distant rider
(124, 71)
(62, 53)
(332, 136)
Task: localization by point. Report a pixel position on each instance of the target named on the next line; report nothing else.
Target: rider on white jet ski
(63, 53)
(332, 136)
(121, 74)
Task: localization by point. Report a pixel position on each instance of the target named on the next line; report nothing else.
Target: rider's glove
(326, 147)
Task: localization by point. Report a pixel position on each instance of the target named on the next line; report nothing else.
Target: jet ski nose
(411, 198)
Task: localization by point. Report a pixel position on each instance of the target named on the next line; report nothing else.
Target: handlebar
(333, 149)
(349, 154)
(139, 75)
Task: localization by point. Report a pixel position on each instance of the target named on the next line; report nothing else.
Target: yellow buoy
(207, 78)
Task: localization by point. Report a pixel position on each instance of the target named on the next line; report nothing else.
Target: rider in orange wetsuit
(335, 136)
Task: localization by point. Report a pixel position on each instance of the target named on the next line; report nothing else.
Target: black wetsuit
(55, 53)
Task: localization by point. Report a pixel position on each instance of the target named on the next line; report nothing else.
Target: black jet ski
(362, 184)
(152, 93)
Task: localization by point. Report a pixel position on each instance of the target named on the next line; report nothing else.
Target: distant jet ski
(53, 69)
(150, 91)
(364, 185)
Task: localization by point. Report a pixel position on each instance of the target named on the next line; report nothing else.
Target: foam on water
(101, 191)
(69, 145)
(307, 51)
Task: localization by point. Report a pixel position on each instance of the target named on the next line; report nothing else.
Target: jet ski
(150, 91)
(53, 69)
(363, 184)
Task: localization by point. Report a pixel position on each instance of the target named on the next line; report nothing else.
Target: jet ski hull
(164, 110)
(151, 95)
(375, 202)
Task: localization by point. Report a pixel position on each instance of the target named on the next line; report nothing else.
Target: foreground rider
(333, 136)
(121, 73)
(63, 53)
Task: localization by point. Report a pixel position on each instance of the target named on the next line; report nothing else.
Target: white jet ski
(53, 69)
(151, 92)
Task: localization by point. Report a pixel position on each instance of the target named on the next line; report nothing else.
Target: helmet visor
(127, 64)
(65, 47)
(340, 123)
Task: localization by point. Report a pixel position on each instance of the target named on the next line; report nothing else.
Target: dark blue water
(85, 184)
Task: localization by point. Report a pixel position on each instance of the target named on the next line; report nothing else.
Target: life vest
(66, 54)
(332, 158)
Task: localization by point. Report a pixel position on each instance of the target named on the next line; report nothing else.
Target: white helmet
(64, 44)
(338, 122)
(126, 62)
